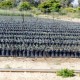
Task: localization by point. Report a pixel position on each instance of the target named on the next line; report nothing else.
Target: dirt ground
(34, 76)
(64, 18)
(38, 63)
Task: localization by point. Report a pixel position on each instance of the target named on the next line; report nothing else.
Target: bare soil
(38, 63)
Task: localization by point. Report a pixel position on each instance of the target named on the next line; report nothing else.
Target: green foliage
(55, 7)
(78, 9)
(65, 73)
(60, 7)
(44, 7)
(6, 4)
(24, 6)
(49, 6)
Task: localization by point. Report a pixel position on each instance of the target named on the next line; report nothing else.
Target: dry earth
(64, 18)
(34, 76)
(38, 63)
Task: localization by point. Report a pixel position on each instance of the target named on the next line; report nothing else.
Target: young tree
(24, 6)
(6, 4)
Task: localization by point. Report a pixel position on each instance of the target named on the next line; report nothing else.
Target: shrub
(69, 9)
(6, 4)
(65, 73)
(44, 7)
(24, 6)
(49, 6)
(62, 11)
(78, 9)
(55, 7)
